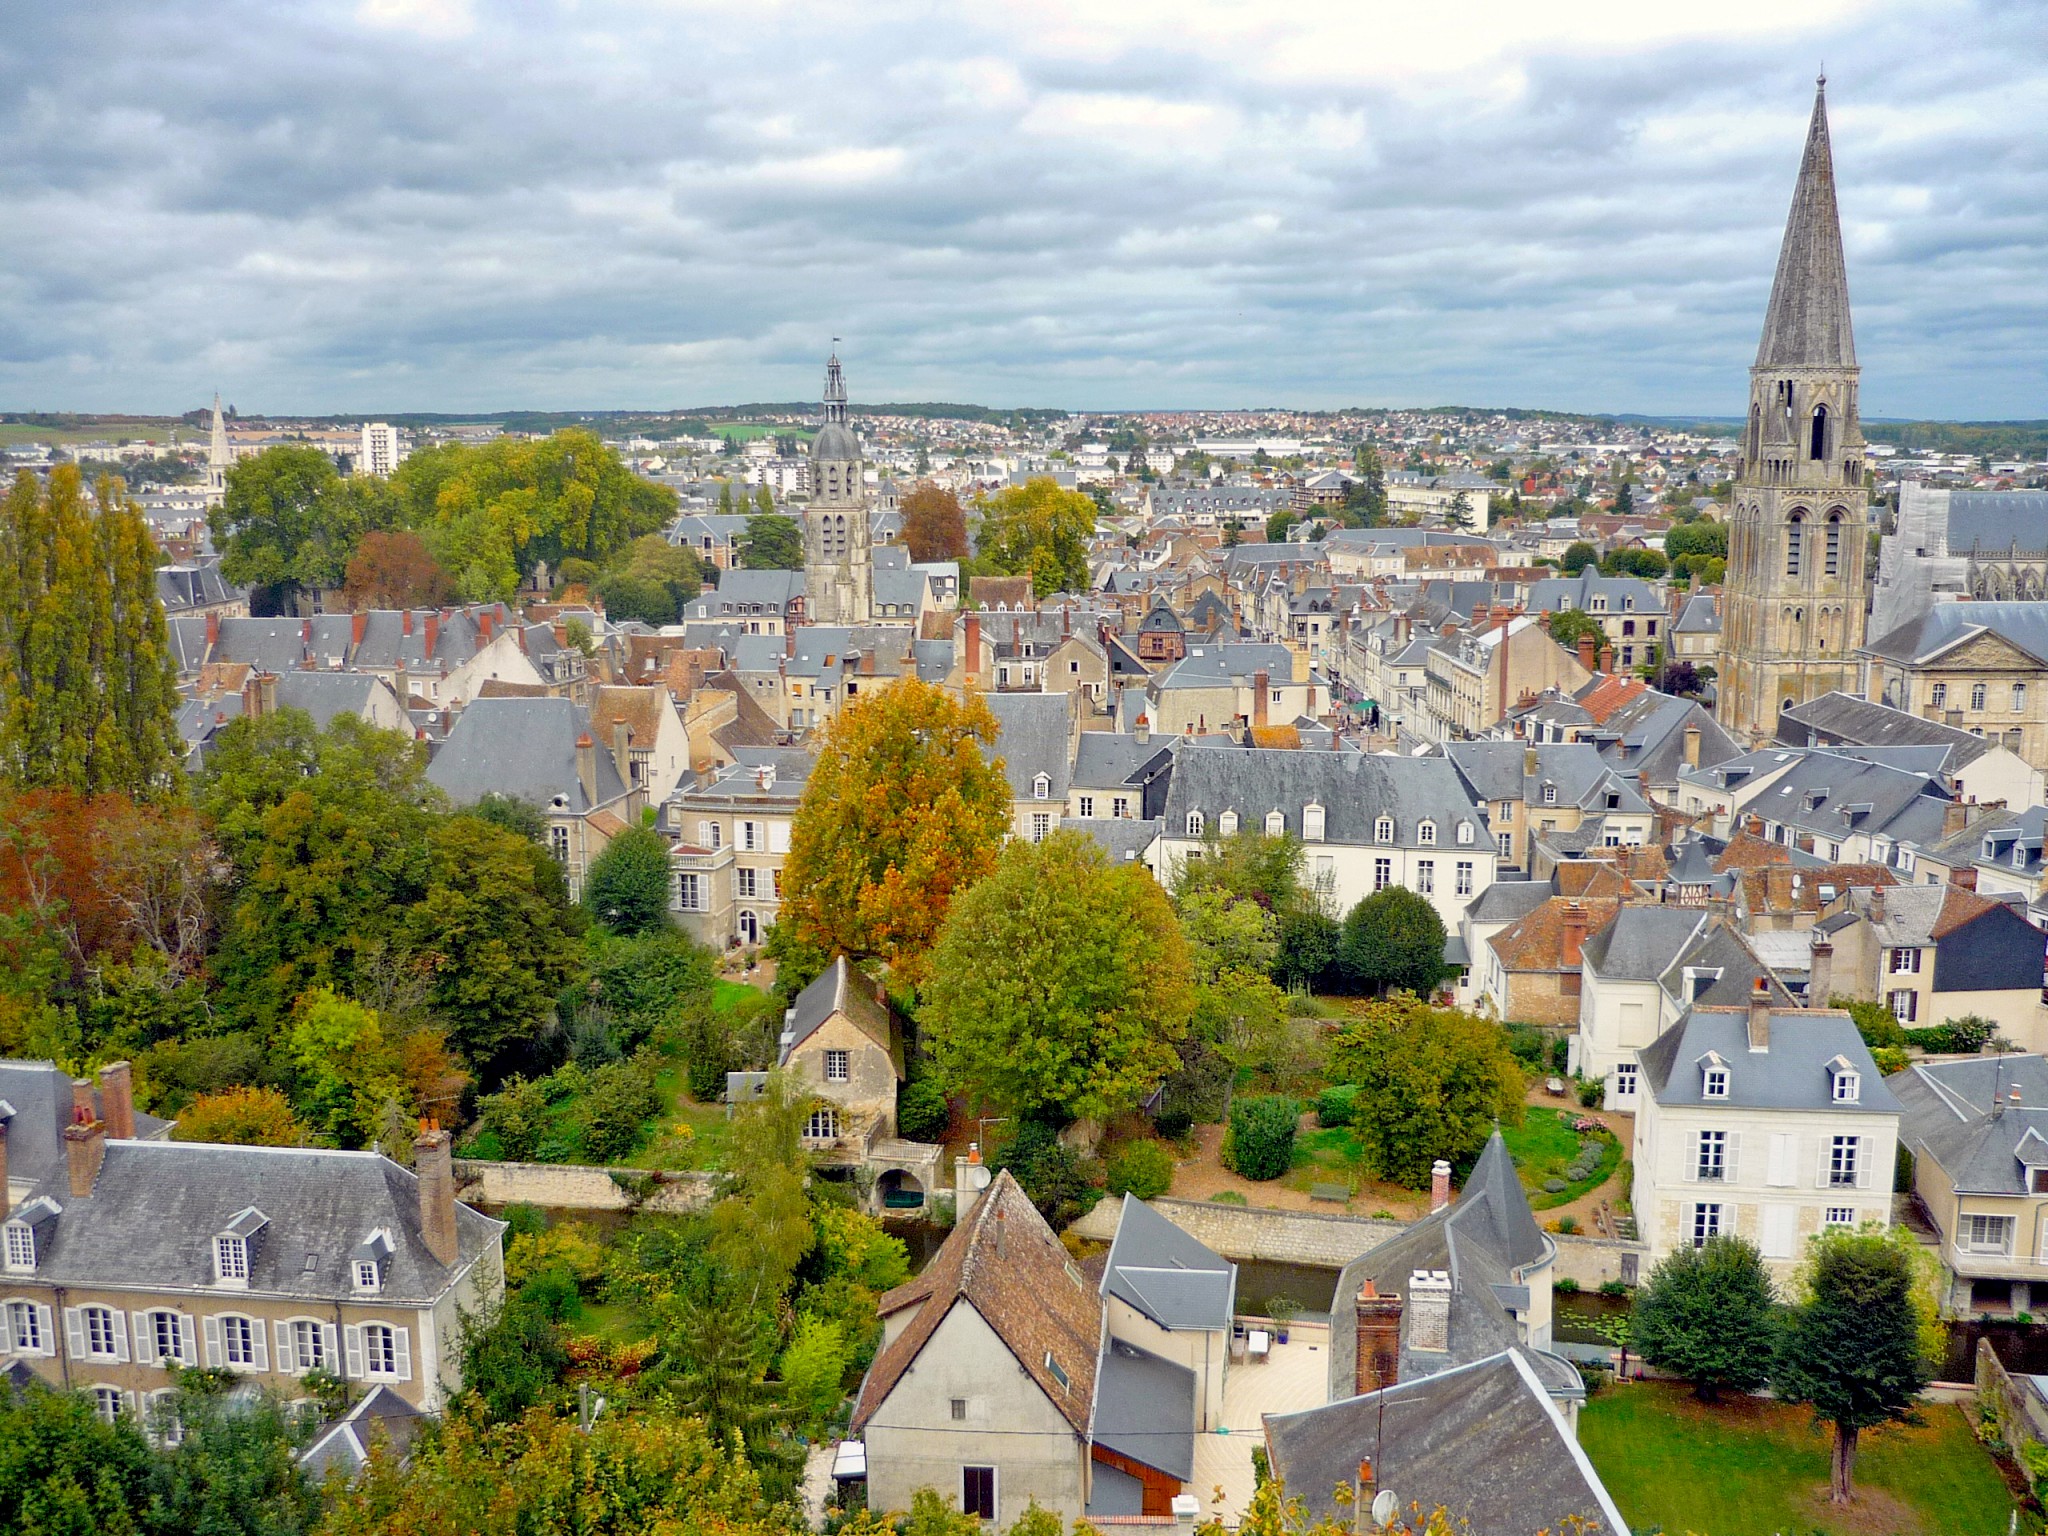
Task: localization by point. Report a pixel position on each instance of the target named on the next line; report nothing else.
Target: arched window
(1817, 438)
(1756, 429)
(1227, 823)
(1041, 786)
(1276, 823)
(1194, 823)
(1831, 559)
(1795, 537)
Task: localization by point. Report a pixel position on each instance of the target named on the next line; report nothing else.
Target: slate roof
(1484, 1441)
(1145, 1408)
(1843, 719)
(1792, 1074)
(1003, 1261)
(1107, 759)
(1642, 941)
(1514, 770)
(1031, 739)
(1353, 788)
(40, 1092)
(1624, 594)
(1991, 522)
(1166, 1273)
(1949, 1115)
(379, 1417)
(744, 591)
(156, 1206)
(524, 748)
(1697, 616)
(1919, 641)
(839, 989)
(1126, 839)
(1507, 900)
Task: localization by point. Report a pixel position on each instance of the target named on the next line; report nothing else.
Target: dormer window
(366, 1265)
(1550, 794)
(1464, 834)
(1041, 787)
(1383, 830)
(1848, 1087)
(1194, 823)
(1227, 823)
(1276, 823)
(234, 1248)
(1425, 834)
(20, 1248)
(1312, 823)
(1714, 1083)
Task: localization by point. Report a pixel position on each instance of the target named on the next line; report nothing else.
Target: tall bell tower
(839, 564)
(1793, 609)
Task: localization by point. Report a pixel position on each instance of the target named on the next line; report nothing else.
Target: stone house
(841, 1042)
(653, 754)
(1530, 789)
(1976, 666)
(1530, 972)
(732, 832)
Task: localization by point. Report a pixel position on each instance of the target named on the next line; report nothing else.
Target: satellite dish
(1385, 1505)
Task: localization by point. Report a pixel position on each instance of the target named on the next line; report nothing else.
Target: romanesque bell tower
(839, 562)
(1793, 611)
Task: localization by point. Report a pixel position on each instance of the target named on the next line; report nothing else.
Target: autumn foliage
(396, 570)
(934, 526)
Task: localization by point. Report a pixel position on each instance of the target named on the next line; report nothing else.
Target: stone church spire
(218, 457)
(1807, 324)
(839, 569)
(835, 391)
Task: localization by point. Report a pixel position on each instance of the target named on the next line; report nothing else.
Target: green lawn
(1747, 1467)
(1544, 1144)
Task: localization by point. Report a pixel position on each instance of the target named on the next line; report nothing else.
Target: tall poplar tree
(87, 689)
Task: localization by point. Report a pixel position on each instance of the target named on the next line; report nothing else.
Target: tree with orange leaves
(903, 811)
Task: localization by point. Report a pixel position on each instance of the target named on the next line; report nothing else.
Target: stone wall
(569, 1186)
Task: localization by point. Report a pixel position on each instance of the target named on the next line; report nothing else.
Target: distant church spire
(218, 458)
(1807, 324)
(835, 388)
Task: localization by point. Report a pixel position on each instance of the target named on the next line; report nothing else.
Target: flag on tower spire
(1807, 325)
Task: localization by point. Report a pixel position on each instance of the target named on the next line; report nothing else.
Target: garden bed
(1548, 1150)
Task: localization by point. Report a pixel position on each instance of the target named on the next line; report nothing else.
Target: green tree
(1460, 514)
(1278, 524)
(901, 812)
(651, 581)
(1577, 556)
(63, 1472)
(346, 1072)
(1646, 563)
(513, 1358)
(764, 501)
(1061, 983)
(1708, 1315)
(1856, 1344)
(1393, 940)
(811, 1368)
(772, 543)
(1260, 1143)
(1624, 500)
(1023, 520)
(289, 524)
(1431, 1084)
(1702, 536)
(248, 1117)
(1567, 625)
(87, 690)
(234, 1470)
(626, 888)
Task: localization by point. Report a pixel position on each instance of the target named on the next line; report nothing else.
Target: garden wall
(569, 1186)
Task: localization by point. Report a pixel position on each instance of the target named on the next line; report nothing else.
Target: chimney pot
(1439, 1184)
(434, 1162)
(1760, 1016)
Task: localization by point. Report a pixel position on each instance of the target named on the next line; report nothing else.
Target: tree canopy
(1060, 984)
(626, 887)
(901, 812)
(1038, 529)
(934, 525)
(1431, 1084)
(772, 542)
(1567, 625)
(1708, 1314)
(395, 569)
(652, 580)
(289, 524)
(1393, 940)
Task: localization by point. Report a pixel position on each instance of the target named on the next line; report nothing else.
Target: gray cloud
(450, 204)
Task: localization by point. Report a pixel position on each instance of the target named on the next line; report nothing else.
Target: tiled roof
(1536, 943)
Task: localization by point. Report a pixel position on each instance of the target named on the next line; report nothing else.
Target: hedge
(1260, 1143)
(1336, 1105)
(1141, 1168)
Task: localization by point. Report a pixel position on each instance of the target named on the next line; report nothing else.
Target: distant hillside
(1986, 439)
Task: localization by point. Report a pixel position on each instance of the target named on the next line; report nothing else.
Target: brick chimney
(622, 749)
(406, 622)
(586, 766)
(85, 1148)
(1574, 943)
(1607, 658)
(1429, 1310)
(1820, 973)
(1760, 1016)
(117, 1100)
(971, 637)
(358, 622)
(1262, 688)
(1379, 1340)
(1589, 653)
(212, 629)
(484, 621)
(433, 632)
(1955, 816)
(434, 1161)
(6, 1114)
(1439, 1184)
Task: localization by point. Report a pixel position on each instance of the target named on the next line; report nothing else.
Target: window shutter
(259, 1346)
(1779, 1226)
(216, 1357)
(188, 1343)
(46, 1328)
(331, 1346)
(1820, 1177)
(401, 1353)
(1863, 1162)
(352, 1346)
(1784, 1153)
(74, 1331)
(284, 1347)
(6, 1331)
(145, 1340)
(1728, 1154)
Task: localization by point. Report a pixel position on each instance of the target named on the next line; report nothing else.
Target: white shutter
(216, 1356)
(1780, 1225)
(259, 1345)
(1863, 1162)
(120, 1320)
(188, 1342)
(1784, 1153)
(332, 1345)
(1692, 1158)
(6, 1330)
(284, 1348)
(46, 1329)
(74, 1331)
(352, 1352)
(145, 1340)
(401, 1353)
(1820, 1177)
(1728, 1152)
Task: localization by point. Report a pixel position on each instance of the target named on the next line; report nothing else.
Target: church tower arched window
(1831, 560)
(1817, 438)
(1795, 538)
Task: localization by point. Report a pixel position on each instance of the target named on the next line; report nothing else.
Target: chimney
(1760, 1016)
(1589, 653)
(433, 632)
(484, 621)
(434, 1161)
(970, 1178)
(1955, 816)
(586, 766)
(1439, 1184)
(6, 1114)
(622, 749)
(212, 629)
(1820, 973)
(1142, 731)
(357, 623)
(266, 693)
(972, 639)
(1607, 658)
(1262, 688)
(1877, 903)
(407, 624)
(1429, 1307)
(85, 1148)
(117, 1100)
(1379, 1340)
(401, 684)
(1573, 947)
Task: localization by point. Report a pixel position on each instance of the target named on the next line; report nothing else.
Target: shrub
(1874, 1022)
(1565, 1285)
(1890, 1059)
(1173, 1124)
(517, 1116)
(1613, 1288)
(922, 1113)
(1260, 1141)
(1592, 1091)
(1141, 1168)
(1957, 1037)
(1568, 1225)
(1229, 1197)
(1335, 1105)
(1055, 1177)
(620, 1101)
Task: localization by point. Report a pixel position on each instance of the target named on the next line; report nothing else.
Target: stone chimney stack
(1820, 973)
(1573, 944)
(586, 766)
(1439, 1184)
(1589, 653)
(434, 1161)
(1142, 731)
(1429, 1310)
(1692, 745)
(622, 749)
(117, 1100)
(1760, 1016)
(1955, 816)
(1262, 688)
(85, 1148)
(1379, 1340)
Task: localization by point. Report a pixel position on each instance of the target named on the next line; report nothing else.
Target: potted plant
(1284, 1309)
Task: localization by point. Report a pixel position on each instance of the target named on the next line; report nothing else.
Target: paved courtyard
(1295, 1377)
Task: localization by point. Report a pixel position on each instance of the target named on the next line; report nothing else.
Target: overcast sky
(385, 205)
